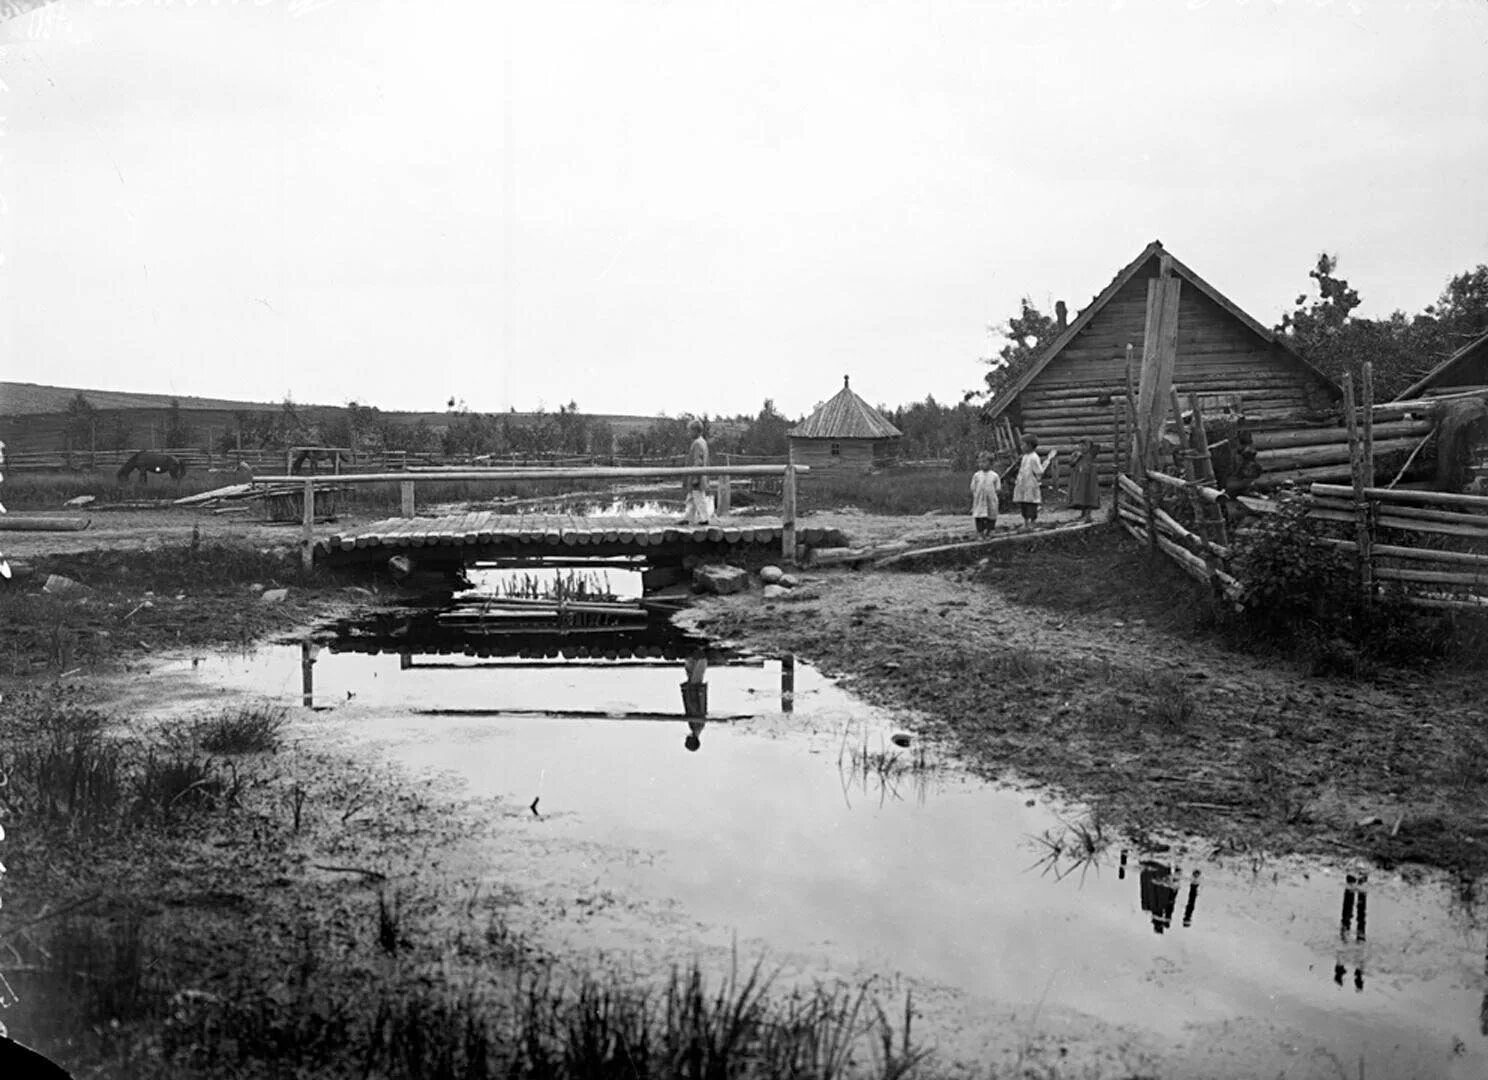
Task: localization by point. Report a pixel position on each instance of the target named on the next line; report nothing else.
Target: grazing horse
(315, 454)
(152, 461)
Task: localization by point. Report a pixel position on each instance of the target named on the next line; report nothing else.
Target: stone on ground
(720, 579)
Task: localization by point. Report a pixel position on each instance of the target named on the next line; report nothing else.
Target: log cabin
(1231, 361)
(1465, 370)
(844, 433)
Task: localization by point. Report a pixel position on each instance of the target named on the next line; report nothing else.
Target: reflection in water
(1354, 917)
(788, 682)
(1158, 884)
(695, 698)
(1193, 898)
(308, 652)
(1159, 893)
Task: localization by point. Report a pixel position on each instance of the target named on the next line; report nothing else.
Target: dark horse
(315, 454)
(152, 461)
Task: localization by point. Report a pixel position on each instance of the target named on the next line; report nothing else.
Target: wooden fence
(1432, 547)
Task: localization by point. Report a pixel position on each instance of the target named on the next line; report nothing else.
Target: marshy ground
(316, 902)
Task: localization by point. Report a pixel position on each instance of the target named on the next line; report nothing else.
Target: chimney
(1061, 315)
(844, 382)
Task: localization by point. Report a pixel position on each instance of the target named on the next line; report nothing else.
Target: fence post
(1361, 504)
(307, 533)
(724, 490)
(788, 516)
(1368, 391)
(405, 490)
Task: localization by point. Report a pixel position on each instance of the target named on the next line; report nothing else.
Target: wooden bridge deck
(487, 534)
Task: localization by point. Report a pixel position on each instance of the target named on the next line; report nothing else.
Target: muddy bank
(1122, 697)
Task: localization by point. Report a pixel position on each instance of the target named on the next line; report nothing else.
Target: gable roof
(845, 416)
(1461, 356)
(1106, 295)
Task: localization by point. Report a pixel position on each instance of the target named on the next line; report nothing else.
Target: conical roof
(845, 416)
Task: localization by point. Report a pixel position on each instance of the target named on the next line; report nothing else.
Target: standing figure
(984, 485)
(1084, 480)
(1030, 471)
(697, 511)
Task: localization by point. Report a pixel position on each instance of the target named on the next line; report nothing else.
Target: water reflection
(422, 645)
(1354, 918)
(695, 697)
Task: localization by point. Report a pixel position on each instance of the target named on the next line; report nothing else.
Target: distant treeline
(931, 431)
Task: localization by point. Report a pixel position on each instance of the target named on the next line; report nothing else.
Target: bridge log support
(788, 516)
(307, 528)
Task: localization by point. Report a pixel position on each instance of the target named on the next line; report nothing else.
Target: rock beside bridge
(720, 579)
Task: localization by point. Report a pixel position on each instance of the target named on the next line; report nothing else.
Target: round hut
(844, 433)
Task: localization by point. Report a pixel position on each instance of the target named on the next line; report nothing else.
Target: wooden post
(1115, 461)
(307, 533)
(1159, 356)
(405, 489)
(725, 492)
(788, 515)
(1205, 469)
(1368, 413)
(1361, 503)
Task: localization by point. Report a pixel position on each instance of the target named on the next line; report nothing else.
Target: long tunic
(1084, 483)
(1030, 472)
(984, 485)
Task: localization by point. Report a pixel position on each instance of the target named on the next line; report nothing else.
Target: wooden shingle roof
(1010, 392)
(1471, 351)
(845, 416)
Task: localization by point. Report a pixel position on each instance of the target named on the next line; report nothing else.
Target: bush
(1304, 594)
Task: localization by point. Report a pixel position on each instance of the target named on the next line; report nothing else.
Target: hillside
(29, 399)
(34, 399)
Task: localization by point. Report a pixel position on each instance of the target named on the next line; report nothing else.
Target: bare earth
(1262, 757)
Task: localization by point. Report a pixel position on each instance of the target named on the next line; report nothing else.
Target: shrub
(245, 730)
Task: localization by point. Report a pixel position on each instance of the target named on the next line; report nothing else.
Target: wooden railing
(408, 480)
(1397, 537)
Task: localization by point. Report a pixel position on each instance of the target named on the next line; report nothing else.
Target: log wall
(1218, 358)
(853, 454)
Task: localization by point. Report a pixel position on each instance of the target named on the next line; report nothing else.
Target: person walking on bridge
(697, 511)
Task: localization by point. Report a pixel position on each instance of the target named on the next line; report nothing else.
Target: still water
(765, 819)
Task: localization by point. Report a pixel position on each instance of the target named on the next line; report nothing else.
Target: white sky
(690, 206)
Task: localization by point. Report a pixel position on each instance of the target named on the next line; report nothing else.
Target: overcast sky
(689, 206)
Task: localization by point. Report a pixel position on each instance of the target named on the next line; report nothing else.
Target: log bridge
(484, 536)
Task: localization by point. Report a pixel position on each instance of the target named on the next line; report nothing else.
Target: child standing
(1030, 471)
(984, 485)
(1084, 480)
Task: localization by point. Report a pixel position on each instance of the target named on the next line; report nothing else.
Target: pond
(788, 816)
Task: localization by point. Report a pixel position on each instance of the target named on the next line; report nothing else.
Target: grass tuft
(248, 729)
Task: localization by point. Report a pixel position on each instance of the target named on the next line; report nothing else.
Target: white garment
(984, 485)
(1030, 472)
(699, 507)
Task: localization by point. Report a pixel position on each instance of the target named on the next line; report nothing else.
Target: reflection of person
(695, 698)
(1159, 895)
(984, 484)
(1084, 481)
(697, 485)
(1030, 471)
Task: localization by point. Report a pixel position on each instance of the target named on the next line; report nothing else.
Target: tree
(767, 434)
(1027, 334)
(1400, 348)
(82, 422)
(178, 430)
